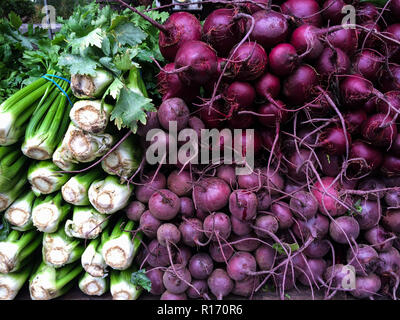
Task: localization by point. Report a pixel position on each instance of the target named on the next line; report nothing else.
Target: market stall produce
(306, 201)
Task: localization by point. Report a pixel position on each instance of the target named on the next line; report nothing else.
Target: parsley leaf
(130, 108)
(4, 229)
(278, 247)
(78, 65)
(140, 279)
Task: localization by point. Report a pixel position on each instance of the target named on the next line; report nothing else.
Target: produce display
(303, 94)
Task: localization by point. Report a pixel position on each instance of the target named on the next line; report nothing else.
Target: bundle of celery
(48, 123)
(48, 282)
(13, 180)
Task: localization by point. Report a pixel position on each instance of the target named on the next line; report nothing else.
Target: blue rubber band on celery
(58, 77)
(61, 89)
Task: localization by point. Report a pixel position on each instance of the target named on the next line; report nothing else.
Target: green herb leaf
(130, 108)
(128, 34)
(140, 279)
(4, 229)
(278, 247)
(15, 20)
(78, 65)
(288, 296)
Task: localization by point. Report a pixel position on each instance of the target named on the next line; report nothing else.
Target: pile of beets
(322, 207)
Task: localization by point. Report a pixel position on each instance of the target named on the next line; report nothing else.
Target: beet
(332, 11)
(270, 114)
(307, 9)
(171, 86)
(303, 205)
(266, 225)
(368, 64)
(283, 59)
(240, 264)
(200, 266)
(333, 141)
(378, 237)
(268, 87)
(220, 284)
(344, 39)
(391, 220)
(368, 214)
(191, 231)
(298, 87)
(306, 41)
(200, 60)
(333, 61)
(372, 130)
(211, 194)
(283, 214)
(172, 279)
(317, 248)
(217, 225)
(364, 158)
(316, 227)
(355, 90)
(182, 27)
(249, 62)
(240, 95)
(222, 31)
(270, 28)
(365, 260)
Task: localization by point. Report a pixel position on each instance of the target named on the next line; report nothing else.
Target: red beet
(182, 27)
(283, 59)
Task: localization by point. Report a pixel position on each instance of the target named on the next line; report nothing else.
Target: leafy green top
(120, 43)
(140, 279)
(16, 68)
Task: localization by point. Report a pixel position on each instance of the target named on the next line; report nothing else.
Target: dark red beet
(333, 141)
(217, 225)
(283, 59)
(379, 238)
(252, 8)
(317, 249)
(191, 231)
(241, 121)
(355, 90)
(393, 31)
(201, 289)
(332, 11)
(248, 139)
(299, 164)
(265, 257)
(344, 39)
(298, 87)
(395, 149)
(211, 194)
(395, 8)
(266, 225)
(244, 243)
(391, 105)
(270, 115)
(243, 204)
(369, 214)
(282, 213)
(213, 116)
(367, 12)
(364, 260)
(182, 27)
(372, 130)
(218, 254)
(171, 86)
(187, 207)
(354, 120)
(158, 255)
(240, 264)
(330, 164)
(201, 61)
(391, 165)
(344, 229)
(222, 31)
(268, 86)
(249, 62)
(316, 227)
(309, 9)
(364, 158)
(240, 95)
(240, 227)
(391, 220)
(157, 286)
(368, 64)
(391, 80)
(306, 41)
(270, 28)
(333, 61)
